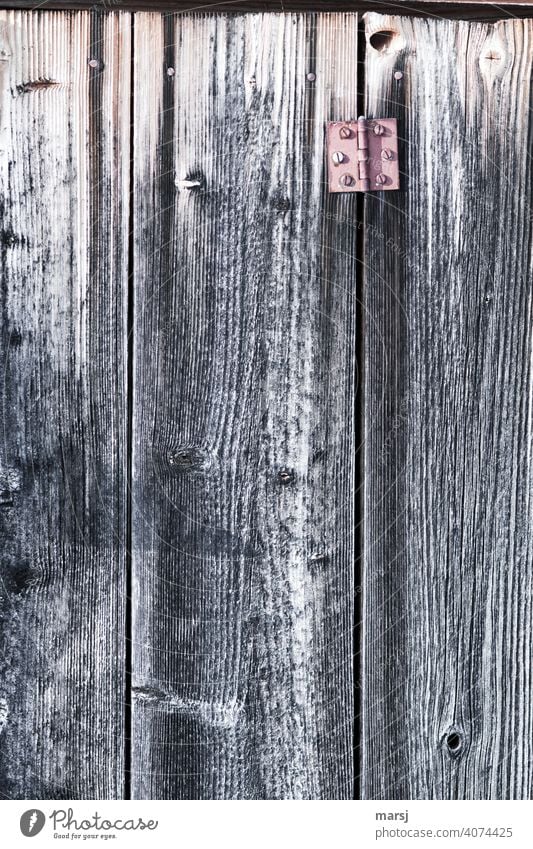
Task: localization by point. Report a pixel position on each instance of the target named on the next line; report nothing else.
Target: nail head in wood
(285, 476)
(188, 184)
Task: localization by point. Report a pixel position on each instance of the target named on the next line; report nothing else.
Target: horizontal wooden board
(448, 617)
(466, 9)
(64, 164)
(244, 454)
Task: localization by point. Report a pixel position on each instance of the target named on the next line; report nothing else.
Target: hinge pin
(362, 153)
(362, 135)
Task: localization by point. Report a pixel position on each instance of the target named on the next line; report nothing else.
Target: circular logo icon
(32, 822)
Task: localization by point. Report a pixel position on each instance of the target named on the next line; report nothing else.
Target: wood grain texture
(465, 9)
(64, 130)
(243, 432)
(448, 567)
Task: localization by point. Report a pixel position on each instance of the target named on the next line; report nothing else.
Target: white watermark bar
(267, 825)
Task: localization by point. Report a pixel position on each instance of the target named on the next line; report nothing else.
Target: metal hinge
(363, 155)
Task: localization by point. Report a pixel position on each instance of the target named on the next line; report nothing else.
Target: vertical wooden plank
(243, 464)
(64, 188)
(448, 565)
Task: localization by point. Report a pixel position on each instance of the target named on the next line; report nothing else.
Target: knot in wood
(281, 203)
(454, 742)
(190, 458)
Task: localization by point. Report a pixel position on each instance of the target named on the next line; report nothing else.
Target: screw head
(337, 157)
(346, 180)
(170, 72)
(311, 77)
(93, 63)
(345, 133)
(387, 153)
(381, 179)
(378, 129)
(286, 476)
(398, 75)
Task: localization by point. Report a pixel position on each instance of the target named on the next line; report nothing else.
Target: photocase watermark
(67, 826)
(32, 822)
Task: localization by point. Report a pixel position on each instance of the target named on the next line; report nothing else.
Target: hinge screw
(337, 157)
(378, 129)
(345, 133)
(346, 180)
(381, 179)
(387, 153)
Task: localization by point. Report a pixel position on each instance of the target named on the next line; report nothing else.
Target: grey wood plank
(464, 9)
(448, 565)
(243, 428)
(64, 130)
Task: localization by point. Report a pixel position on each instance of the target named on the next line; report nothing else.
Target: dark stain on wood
(36, 85)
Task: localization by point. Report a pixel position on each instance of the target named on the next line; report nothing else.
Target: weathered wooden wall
(217, 340)
(64, 130)
(448, 548)
(243, 431)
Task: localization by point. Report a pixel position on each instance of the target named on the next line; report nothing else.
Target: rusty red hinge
(363, 155)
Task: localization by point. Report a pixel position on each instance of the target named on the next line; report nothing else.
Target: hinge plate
(363, 155)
